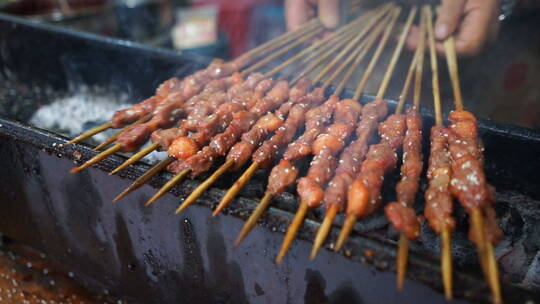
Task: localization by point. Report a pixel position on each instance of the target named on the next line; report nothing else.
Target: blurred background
(502, 83)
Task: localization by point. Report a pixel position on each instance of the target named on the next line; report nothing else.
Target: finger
(473, 30)
(413, 38)
(329, 12)
(448, 18)
(296, 13)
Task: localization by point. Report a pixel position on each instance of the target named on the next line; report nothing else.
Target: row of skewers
(229, 111)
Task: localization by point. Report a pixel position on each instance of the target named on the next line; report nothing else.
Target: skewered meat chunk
(265, 154)
(241, 123)
(284, 174)
(218, 121)
(353, 155)
(364, 195)
(281, 176)
(201, 106)
(168, 113)
(468, 182)
(165, 137)
(315, 123)
(400, 213)
(438, 200)
(129, 115)
(186, 89)
(325, 148)
(241, 152)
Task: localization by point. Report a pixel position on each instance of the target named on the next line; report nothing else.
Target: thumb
(449, 18)
(329, 13)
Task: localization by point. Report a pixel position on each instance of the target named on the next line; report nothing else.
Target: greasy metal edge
(469, 285)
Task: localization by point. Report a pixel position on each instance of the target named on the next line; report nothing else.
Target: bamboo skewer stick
(141, 180)
(446, 255)
(395, 56)
(133, 159)
(356, 56)
(236, 187)
(449, 48)
(420, 64)
(331, 213)
(351, 219)
(416, 70)
(349, 46)
(402, 257)
(375, 58)
(96, 159)
(484, 246)
(358, 60)
(207, 183)
(311, 52)
(403, 252)
(317, 51)
(204, 186)
(318, 60)
(91, 132)
(289, 36)
(252, 220)
(282, 51)
(168, 186)
(281, 40)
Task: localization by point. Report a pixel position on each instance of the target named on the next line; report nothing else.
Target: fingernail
(441, 30)
(330, 20)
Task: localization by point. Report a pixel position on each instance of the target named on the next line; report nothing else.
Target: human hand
(298, 12)
(474, 22)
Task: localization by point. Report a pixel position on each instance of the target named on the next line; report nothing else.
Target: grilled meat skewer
(364, 194)
(284, 173)
(221, 143)
(240, 153)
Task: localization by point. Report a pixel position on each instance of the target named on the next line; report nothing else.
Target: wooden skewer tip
(141, 180)
(347, 228)
(97, 158)
(494, 274)
(168, 186)
(91, 132)
(135, 157)
(402, 257)
(252, 220)
(204, 186)
(446, 262)
(324, 230)
(233, 191)
(292, 230)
